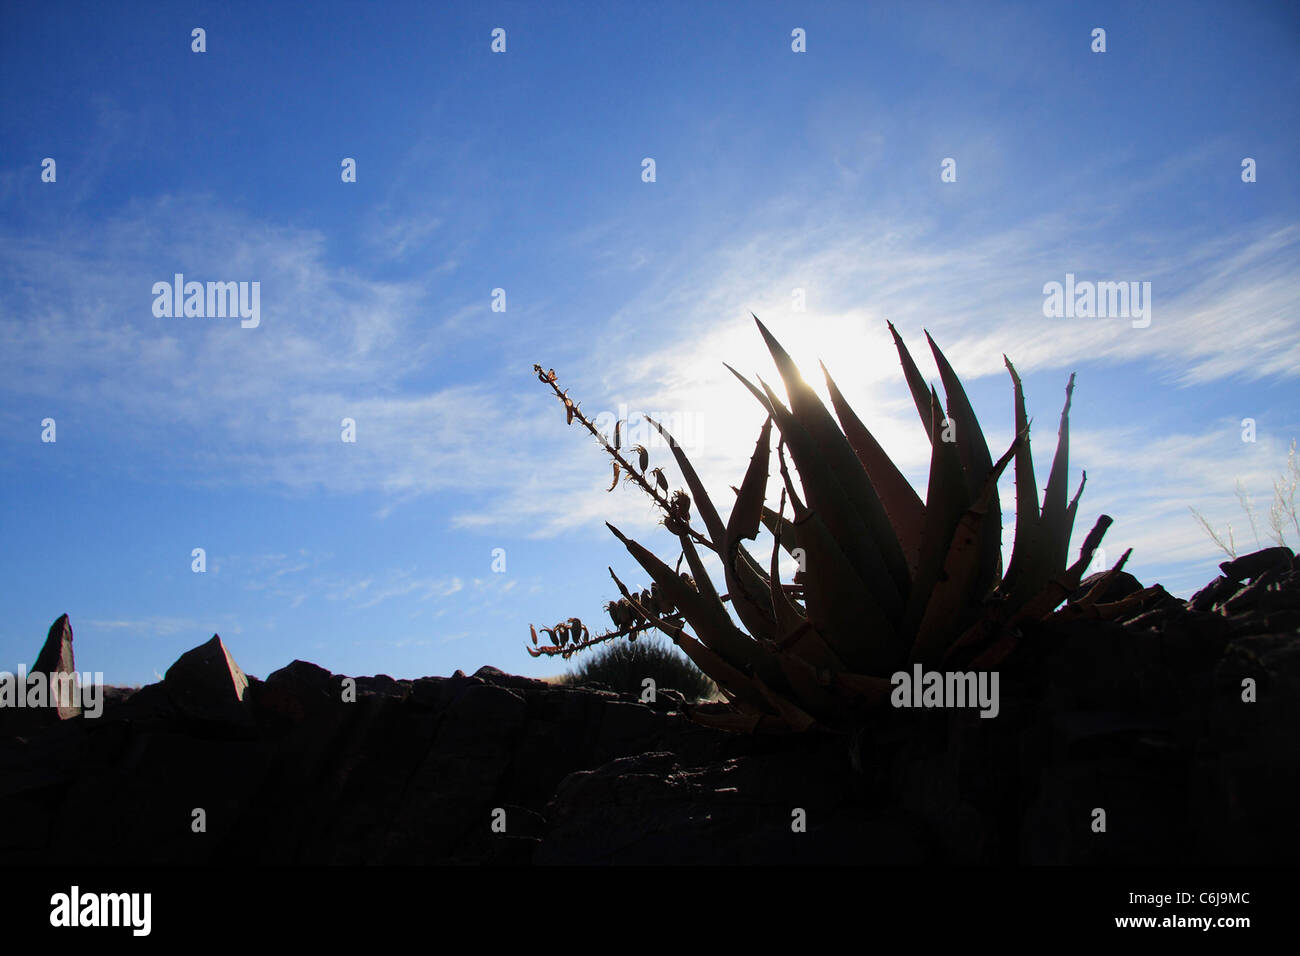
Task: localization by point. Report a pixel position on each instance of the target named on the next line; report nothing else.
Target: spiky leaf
(817, 421)
(902, 504)
(976, 462)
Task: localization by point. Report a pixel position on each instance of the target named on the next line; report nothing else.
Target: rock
(56, 662)
(1119, 588)
(1213, 594)
(384, 686)
(297, 692)
(306, 676)
(1142, 717)
(150, 703)
(1259, 595)
(1254, 564)
(1248, 774)
(207, 685)
(60, 698)
(493, 675)
(667, 699)
(623, 721)
(429, 693)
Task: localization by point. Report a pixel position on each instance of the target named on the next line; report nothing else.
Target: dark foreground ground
(1141, 717)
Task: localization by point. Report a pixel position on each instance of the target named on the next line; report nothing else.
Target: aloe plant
(886, 580)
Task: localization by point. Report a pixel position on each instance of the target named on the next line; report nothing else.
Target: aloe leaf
(1091, 542)
(958, 586)
(987, 625)
(843, 462)
(782, 529)
(946, 501)
(720, 672)
(707, 616)
(750, 599)
(703, 503)
(753, 389)
(915, 382)
(1060, 586)
(784, 612)
(803, 681)
(902, 504)
(840, 607)
(795, 716)
(702, 609)
(827, 498)
(1052, 535)
(703, 582)
(1055, 511)
(1099, 588)
(752, 611)
(806, 643)
(750, 596)
(745, 580)
(752, 575)
(1022, 548)
(1070, 511)
(976, 462)
(747, 512)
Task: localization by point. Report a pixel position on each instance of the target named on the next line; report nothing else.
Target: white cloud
(335, 343)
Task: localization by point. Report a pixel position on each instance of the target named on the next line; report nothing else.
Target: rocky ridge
(1135, 707)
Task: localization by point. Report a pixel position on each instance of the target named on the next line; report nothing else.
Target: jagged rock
(1143, 718)
(59, 697)
(207, 685)
(1259, 595)
(494, 675)
(1120, 587)
(1254, 564)
(56, 662)
(1213, 594)
(298, 692)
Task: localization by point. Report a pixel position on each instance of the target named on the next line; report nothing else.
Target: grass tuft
(623, 665)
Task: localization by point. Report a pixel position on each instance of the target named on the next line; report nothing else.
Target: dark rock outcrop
(207, 685)
(1175, 719)
(1121, 586)
(59, 695)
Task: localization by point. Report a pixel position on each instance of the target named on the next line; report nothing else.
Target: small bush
(623, 665)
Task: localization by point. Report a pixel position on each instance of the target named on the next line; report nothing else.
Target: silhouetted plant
(624, 666)
(1281, 513)
(886, 580)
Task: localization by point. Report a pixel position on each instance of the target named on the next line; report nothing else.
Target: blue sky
(522, 171)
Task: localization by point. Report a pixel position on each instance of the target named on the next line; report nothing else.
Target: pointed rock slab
(56, 662)
(206, 684)
(1254, 564)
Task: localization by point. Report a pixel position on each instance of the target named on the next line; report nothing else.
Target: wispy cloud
(146, 627)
